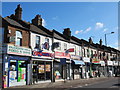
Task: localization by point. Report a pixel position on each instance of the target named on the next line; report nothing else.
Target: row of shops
(20, 64)
(34, 53)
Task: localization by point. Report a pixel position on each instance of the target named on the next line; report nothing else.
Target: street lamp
(105, 37)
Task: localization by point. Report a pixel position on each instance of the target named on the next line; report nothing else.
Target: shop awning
(58, 60)
(77, 62)
(39, 59)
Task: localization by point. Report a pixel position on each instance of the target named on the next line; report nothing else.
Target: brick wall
(25, 36)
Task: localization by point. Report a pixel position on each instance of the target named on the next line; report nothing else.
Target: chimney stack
(18, 12)
(37, 20)
(100, 42)
(67, 32)
(90, 40)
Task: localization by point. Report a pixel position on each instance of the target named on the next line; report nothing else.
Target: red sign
(94, 60)
(71, 50)
(62, 55)
(40, 53)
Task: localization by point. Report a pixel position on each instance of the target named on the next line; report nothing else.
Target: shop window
(18, 38)
(37, 42)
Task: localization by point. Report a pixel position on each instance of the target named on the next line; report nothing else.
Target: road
(114, 83)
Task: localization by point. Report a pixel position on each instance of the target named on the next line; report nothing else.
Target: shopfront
(88, 69)
(96, 67)
(115, 68)
(41, 66)
(62, 65)
(102, 68)
(109, 68)
(77, 67)
(16, 65)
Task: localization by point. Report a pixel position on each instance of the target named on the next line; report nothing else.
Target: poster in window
(48, 68)
(41, 69)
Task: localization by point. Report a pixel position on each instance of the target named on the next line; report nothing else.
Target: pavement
(67, 83)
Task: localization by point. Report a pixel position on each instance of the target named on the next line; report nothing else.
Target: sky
(85, 19)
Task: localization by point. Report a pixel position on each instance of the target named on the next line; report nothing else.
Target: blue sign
(63, 61)
(18, 58)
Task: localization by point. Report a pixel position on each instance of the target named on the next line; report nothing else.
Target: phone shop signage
(17, 50)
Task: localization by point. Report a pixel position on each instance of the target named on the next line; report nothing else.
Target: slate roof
(59, 36)
(13, 22)
(75, 40)
(38, 30)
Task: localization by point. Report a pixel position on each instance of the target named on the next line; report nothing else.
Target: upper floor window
(100, 56)
(18, 38)
(59, 48)
(37, 42)
(87, 52)
(91, 53)
(84, 53)
(46, 44)
(65, 46)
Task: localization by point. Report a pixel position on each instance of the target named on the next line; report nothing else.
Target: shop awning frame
(78, 62)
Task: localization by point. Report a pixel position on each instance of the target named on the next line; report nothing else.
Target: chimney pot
(37, 20)
(18, 12)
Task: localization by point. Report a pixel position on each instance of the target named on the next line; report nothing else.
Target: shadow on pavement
(116, 84)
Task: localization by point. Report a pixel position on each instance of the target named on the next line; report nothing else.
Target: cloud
(76, 32)
(99, 25)
(43, 22)
(81, 31)
(87, 30)
(55, 18)
(104, 30)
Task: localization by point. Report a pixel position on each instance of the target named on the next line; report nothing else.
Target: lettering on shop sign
(94, 60)
(17, 50)
(40, 53)
(62, 55)
(74, 57)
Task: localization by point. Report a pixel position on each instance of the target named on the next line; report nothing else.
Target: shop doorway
(17, 73)
(41, 71)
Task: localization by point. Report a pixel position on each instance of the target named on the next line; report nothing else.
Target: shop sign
(74, 57)
(115, 63)
(41, 53)
(85, 59)
(71, 50)
(63, 61)
(17, 50)
(62, 55)
(109, 63)
(102, 63)
(13, 58)
(94, 60)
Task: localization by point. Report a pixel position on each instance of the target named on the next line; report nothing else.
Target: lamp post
(106, 38)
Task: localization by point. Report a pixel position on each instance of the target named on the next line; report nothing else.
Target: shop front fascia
(109, 68)
(62, 65)
(41, 65)
(77, 67)
(16, 65)
(96, 67)
(88, 67)
(102, 67)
